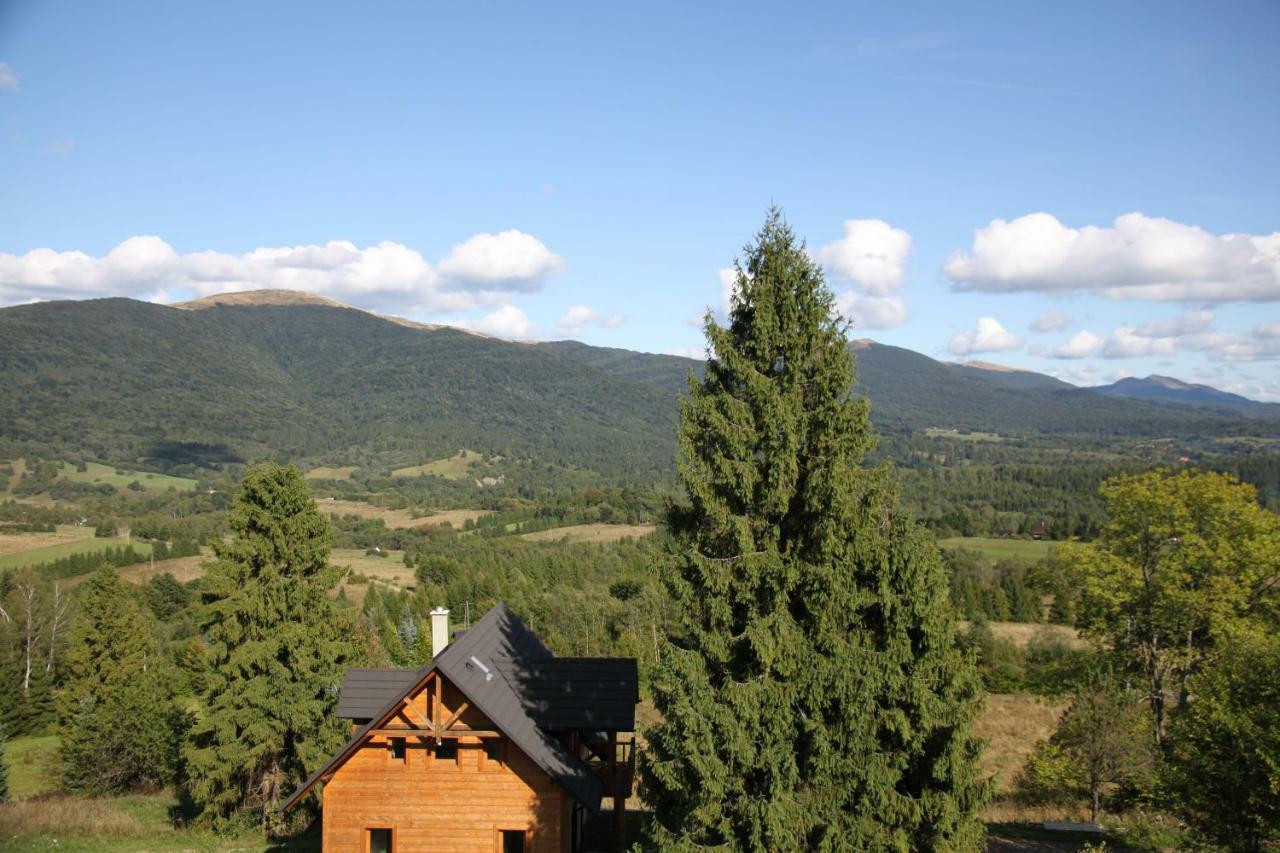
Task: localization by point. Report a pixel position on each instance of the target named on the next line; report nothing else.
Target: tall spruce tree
(813, 697)
(275, 653)
(120, 724)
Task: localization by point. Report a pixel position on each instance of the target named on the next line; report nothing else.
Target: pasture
(997, 548)
(1020, 633)
(13, 555)
(456, 467)
(590, 533)
(1011, 724)
(938, 432)
(399, 518)
(183, 569)
(324, 473)
(98, 474)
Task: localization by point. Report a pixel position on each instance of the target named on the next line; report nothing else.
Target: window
(397, 748)
(446, 750)
(493, 750)
(380, 841)
(512, 840)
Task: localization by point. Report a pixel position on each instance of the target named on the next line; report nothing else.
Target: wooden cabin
(498, 746)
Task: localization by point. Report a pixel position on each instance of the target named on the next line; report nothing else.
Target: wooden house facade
(497, 746)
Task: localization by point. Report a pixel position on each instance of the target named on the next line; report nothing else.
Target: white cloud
(1082, 344)
(1085, 374)
(578, 317)
(1126, 342)
(506, 322)
(1190, 323)
(1139, 257)
(1118, 374)
(1051, 321)
(510, 260)
(698, 352)
(871, 257)
(989, 336)
(481, 272)
(8, 78)
(728, 277)
(60, 147)
(871, 312)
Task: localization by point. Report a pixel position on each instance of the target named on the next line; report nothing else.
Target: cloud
(506, 322)
(8, 78)
(60, 147)
(578, 317)
(989, 336)
(479, 273)
(871, 257)
(510, 260)
(1051, 321)
(1082, 344)
(1190, 323)
(728, 277)
(1127, 342)
(1139, 257)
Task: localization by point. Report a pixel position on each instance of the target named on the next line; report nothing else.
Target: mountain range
(262, 375)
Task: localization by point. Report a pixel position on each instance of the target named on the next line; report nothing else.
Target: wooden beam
(448, 734)
(456, 714)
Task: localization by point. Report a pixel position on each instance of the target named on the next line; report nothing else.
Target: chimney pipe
(439, 630)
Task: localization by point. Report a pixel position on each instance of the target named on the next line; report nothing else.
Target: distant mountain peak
(986, 365)
(1155, 387)
(862, 343)
(302, 297)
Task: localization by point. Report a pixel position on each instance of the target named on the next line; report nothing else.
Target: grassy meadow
(998, 548)
(39, 548)
(456, 467)
(98, 474)
(590, 533)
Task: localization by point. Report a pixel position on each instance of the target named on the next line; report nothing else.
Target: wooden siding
(433, 804)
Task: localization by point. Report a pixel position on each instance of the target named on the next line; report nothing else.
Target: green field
(998, 549)
(329, 473)
(456, 467)
(936, 432)
(97, 474)
(32, 765)
(66, 549)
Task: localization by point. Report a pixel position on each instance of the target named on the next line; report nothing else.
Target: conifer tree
(275, 653)
(813, 697)
(4, 767)
(120, 724)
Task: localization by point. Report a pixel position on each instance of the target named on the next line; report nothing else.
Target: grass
(97, 474)
(1012, 724)
(1022, 632)
(183, 569)
(322, 473)
(14, 543)
(998, 549)
(399, 518)
(49, 553)
(19, 467)
(456, 467)
(33, 765)
(937, 432)
(591, 533)
(137, 822)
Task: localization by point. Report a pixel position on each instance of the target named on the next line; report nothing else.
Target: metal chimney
(439, 630)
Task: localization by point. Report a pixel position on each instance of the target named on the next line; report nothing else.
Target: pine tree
(119, 723)
(275, 653)
(813, 697)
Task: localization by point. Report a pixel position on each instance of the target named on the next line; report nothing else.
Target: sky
(1090, 190)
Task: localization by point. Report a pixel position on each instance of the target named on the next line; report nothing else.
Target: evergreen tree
(813, 697)
(275, 653)
(120, 724)
(4, 767)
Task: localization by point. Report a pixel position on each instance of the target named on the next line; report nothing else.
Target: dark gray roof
(366, 691)
(576, 693)
(474, 663)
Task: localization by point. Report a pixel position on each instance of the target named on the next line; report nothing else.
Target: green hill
(131, 382)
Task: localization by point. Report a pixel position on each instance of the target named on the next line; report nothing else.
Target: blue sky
(1090, 190)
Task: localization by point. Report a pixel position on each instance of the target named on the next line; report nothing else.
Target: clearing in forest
(399, 518)
(591, 533)
(49, 553)
(97, 474)
(997, 548)
(456, 467)
(326, 473)
(1012, 724)
(16, 543)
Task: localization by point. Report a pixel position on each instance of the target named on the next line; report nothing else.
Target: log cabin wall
(436, 804)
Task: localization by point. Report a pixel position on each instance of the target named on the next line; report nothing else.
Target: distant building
(497, 746)
(1039, 530)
